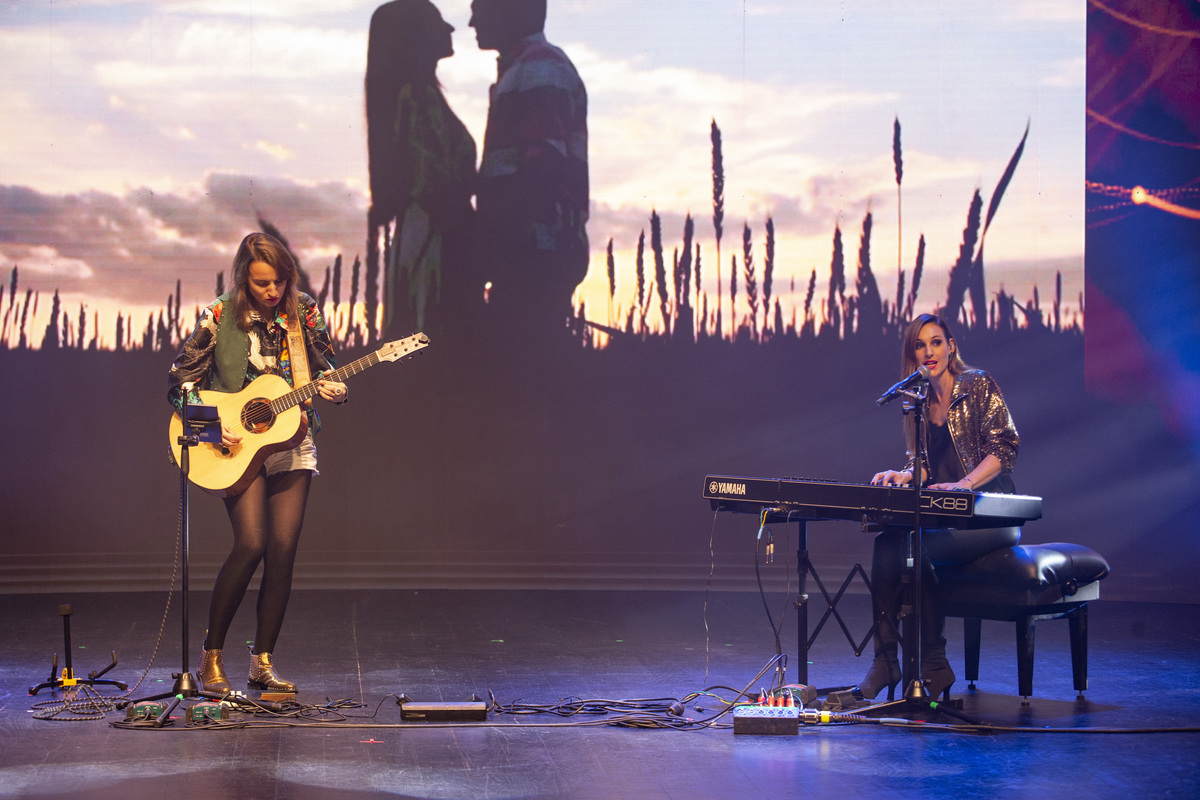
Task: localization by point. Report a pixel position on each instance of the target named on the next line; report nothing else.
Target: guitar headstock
(403, 348)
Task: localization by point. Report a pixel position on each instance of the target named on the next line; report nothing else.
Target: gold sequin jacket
(979, 422)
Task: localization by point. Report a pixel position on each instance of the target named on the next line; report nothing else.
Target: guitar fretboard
(309, 390)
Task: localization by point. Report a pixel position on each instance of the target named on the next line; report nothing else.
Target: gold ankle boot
(212, 671)
(264, 677)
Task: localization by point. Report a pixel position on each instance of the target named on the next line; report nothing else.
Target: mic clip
(915, 396)
(915, 386)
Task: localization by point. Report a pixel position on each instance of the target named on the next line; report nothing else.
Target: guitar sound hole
(257, 416)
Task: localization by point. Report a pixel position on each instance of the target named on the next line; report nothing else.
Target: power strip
(767, 720)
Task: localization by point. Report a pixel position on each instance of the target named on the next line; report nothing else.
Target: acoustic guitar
(269, 416)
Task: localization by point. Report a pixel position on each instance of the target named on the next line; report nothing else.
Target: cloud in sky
(149, 133)
(134, 247)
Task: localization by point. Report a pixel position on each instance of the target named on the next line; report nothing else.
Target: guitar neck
(309, 390)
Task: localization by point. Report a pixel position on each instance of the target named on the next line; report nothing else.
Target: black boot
(885, 668)
(936, 673)
(884, 671)
(885, 586)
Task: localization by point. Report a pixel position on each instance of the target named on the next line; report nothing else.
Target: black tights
(266, 520)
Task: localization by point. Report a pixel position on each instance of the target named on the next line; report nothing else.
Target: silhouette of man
(532, 194)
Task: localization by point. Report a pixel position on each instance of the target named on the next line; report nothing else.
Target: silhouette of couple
(511, 265)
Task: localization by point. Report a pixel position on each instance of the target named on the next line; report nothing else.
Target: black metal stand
(803, 567)
(186, 686)
(915, 693)
(914, 688)
(67, 679)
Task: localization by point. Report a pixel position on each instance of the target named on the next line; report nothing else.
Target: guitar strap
(298, 353)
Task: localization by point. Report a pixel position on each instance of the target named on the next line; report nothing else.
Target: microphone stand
(914, 687)
(186, 686)
(915, 693)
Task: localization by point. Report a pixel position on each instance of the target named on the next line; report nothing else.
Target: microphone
(187, 387)
(922, 374)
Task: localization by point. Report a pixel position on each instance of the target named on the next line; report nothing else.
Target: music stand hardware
(202, 423)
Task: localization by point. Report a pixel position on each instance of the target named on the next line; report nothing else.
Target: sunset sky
(139, 138)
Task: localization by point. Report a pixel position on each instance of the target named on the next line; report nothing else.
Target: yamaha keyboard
(807, 499)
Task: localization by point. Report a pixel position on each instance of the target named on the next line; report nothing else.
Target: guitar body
(225, 472)
(269, 416)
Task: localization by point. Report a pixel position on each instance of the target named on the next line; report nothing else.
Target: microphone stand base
(185, 685)
(916, 699)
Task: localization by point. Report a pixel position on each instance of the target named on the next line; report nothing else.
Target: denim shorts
(302, 456)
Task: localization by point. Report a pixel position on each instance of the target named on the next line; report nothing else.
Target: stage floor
(544, 648)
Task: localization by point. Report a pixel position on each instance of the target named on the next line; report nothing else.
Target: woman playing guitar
(242, 335)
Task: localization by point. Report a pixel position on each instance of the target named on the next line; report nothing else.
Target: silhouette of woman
(422, 168)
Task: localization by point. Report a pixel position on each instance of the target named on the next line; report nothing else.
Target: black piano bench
(1024, 584)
